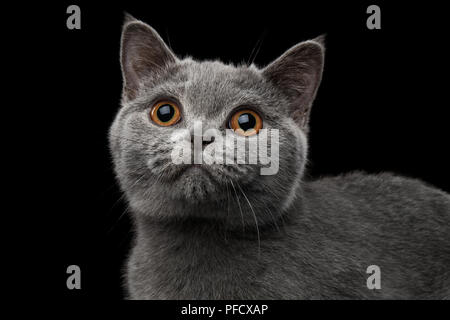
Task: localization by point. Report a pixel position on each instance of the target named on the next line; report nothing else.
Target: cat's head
(167, 99)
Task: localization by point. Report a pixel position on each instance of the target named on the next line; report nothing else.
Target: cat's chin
(202, 183)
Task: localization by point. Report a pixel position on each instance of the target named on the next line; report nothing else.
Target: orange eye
(246, 122)
(165, 113)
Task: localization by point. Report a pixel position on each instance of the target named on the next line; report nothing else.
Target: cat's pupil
(246, 121)
(165, 112)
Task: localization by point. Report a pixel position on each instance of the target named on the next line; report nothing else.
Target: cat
(224, 231)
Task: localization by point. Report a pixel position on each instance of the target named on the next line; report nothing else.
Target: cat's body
(219, 231)
(331, 234)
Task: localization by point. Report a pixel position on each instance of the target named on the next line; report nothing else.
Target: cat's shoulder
(357, 193)
(380, 183)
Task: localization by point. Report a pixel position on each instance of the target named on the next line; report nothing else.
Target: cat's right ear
(143, 53)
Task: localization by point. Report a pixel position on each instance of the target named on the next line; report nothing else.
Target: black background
(382, 106)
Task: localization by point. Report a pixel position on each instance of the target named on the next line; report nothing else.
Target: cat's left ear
(297, 73)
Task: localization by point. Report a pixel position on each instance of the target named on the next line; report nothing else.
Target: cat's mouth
(214, 177)
(193, 170)
(196, 183)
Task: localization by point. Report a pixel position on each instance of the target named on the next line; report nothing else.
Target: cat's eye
(165, 113)
(245, 122)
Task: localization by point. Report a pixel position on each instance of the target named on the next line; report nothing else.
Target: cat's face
(167, 101)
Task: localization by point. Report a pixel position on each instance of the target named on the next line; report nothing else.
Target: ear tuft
(320, 40)
(128, 18)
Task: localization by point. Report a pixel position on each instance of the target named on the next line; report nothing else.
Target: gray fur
(196, 235)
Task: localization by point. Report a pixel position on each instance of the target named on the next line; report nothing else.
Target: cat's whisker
(123, 193)
(254, 217)
(126, 210)
(137, 180)
(122, 196)
(228, 210)
(281, 215)
(157, 179)
(257, 47)
(168, 39)
(274, 221)
(268, 190)
(239, 205)
(163, 171)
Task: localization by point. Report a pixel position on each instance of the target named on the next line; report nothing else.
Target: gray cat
(224, 231)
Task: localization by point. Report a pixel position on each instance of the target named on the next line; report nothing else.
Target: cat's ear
(298, 73)
(143, 53)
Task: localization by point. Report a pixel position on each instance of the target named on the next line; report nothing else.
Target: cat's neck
(213, 232)
(213, 229)
(218, 259)
(197, 229)
(175, 251)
